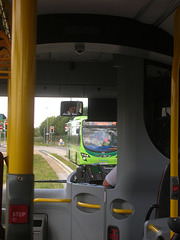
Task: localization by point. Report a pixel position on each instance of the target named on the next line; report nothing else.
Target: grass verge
(43, 171)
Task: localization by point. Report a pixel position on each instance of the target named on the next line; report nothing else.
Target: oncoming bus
(91, 142)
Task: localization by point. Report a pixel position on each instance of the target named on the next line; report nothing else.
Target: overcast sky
(43, 107)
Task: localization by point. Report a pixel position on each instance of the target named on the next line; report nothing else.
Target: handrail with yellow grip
(153, 228)
(122, 211)
(88, 205)
(52, 200)
(5, 71)
(175, 111)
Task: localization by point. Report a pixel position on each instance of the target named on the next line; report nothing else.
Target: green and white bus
(91, 142)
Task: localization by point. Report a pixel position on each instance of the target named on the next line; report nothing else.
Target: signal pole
(51, 131)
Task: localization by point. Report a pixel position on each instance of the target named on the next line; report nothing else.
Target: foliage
(59, 124)
(85, 111)
(37, 132)
(38, 140)
(46, 123)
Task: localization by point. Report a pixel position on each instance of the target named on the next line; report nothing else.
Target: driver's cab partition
(83, 216)
(88, 206)
(158, 226)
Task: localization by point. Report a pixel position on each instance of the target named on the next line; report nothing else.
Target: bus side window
(157, 106)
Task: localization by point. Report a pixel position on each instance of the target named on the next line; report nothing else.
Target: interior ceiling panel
(156, 10)
(147, 11)
(168, 24)
(67, 53)
(105, 7)
(84, 57)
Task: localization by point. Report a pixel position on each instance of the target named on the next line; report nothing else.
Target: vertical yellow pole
(20, 178)
(9, 107)
(22, 87)
(175, 112)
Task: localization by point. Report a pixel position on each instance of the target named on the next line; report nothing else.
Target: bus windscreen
(100, 138)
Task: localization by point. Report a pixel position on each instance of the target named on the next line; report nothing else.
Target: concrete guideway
(61, 151)
(58, 162)
(61, 169)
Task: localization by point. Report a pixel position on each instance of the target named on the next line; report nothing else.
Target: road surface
(58, 150)
(61, 171)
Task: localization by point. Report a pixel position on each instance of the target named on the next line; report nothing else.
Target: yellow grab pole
(174, 117)
(22, 87)
(9, 116)
(20, 178)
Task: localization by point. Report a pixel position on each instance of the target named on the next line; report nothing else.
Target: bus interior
(119, 55)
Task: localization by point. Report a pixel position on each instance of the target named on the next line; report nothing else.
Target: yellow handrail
(5, 71)
(153, 228)
(4, 77)
(88, 205)
(175, 109)
(122, 211)
(54, 200)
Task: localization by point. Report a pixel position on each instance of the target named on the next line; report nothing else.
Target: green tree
(58, 122)
(59, 125)
(85, 111)
(37, 132)
(44, 125)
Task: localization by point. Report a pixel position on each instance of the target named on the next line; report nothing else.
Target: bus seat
(163, 199)
(162, 210)
(162, 207)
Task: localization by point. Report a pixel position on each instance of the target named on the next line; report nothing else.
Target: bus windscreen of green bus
(100, 138)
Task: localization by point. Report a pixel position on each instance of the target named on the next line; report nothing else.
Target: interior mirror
(71, 108)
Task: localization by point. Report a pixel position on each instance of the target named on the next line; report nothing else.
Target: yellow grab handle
(153, 228)
(54, 200)
(88, 205)
(122, 211)
(175, 112)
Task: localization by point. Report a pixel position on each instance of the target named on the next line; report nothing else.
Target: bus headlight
(84, 156)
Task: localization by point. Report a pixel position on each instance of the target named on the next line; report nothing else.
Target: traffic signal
(5, 125)
(66, 128)
(51, 129)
